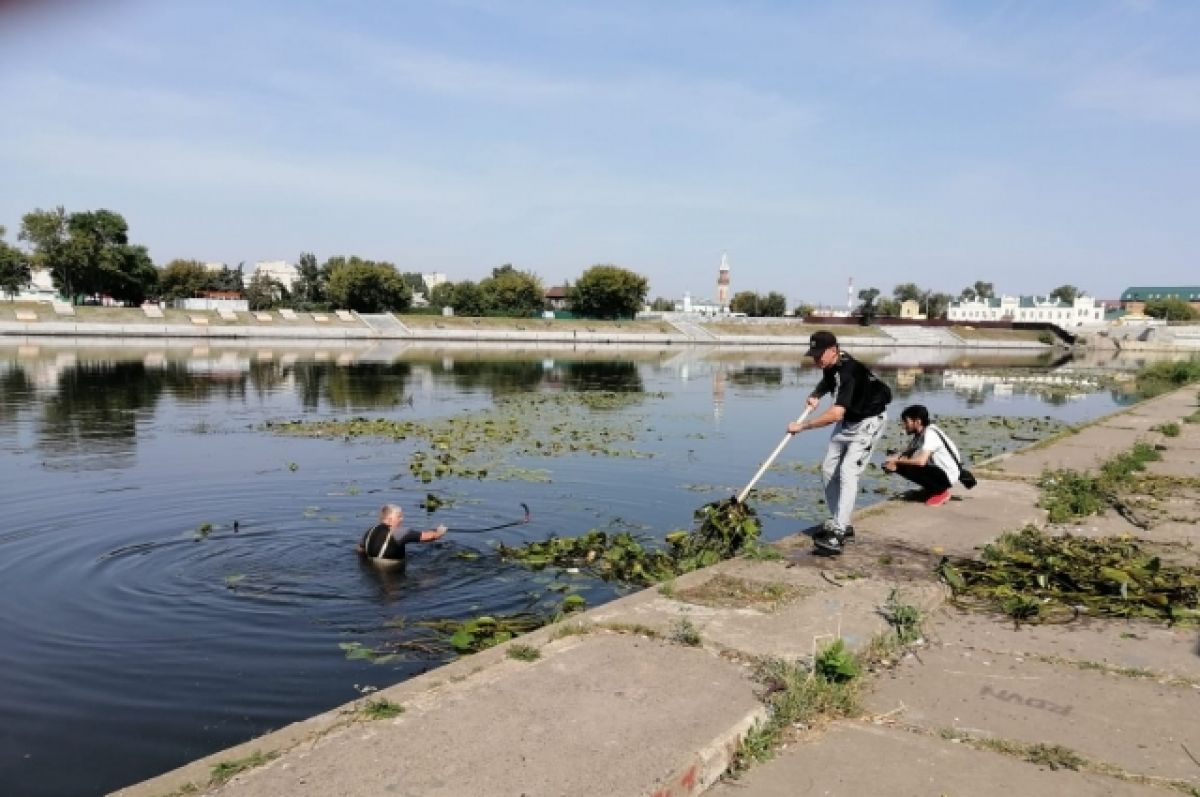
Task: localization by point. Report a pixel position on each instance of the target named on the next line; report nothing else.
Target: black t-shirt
(854, 387)
(372, 541)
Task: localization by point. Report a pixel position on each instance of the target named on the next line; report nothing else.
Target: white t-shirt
(941, 457)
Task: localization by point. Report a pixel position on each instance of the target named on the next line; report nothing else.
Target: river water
(141, 631)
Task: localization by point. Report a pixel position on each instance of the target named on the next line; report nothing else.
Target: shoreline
(617, 707)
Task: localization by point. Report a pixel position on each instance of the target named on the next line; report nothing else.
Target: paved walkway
(621, 707)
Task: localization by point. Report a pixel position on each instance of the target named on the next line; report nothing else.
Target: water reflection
(91, 401)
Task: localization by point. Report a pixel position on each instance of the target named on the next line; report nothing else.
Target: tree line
(88, 254)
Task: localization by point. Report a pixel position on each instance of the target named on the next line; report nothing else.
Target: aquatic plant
(1032, 576)
(724, 530)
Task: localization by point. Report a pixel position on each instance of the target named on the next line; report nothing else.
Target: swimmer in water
(383, 544)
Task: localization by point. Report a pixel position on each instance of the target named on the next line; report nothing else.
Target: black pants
(929, 476)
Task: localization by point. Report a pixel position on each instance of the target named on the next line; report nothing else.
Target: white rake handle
(742, 495)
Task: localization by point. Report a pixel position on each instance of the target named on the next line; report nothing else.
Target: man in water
(383, 544)
(858, 415)
(930, 460)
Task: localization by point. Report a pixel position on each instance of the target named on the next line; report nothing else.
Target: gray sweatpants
(848, 453)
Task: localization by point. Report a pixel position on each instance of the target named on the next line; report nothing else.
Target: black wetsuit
(373, 539)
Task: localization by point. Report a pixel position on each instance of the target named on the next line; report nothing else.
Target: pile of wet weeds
(1035, 577)
(724, 529)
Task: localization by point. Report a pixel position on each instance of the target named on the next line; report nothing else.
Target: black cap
(819, 342)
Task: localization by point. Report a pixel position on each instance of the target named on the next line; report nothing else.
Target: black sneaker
(830, 544)
(848, 534)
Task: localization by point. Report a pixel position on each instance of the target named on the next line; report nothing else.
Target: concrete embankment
(278, 326)
(616, 704)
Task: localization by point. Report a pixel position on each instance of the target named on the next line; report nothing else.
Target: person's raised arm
(429, 535)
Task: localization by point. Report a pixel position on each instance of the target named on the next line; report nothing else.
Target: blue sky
(1029, 144)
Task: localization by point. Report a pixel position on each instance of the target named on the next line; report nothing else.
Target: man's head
(823, 348)
(391, 515)
(915, 418)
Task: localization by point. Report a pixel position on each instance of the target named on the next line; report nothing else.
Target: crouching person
(931, 459)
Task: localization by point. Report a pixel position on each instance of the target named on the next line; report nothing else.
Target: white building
(281, 271)
(1084, 310)
(212, 268)
(433, 279)
(40, 288)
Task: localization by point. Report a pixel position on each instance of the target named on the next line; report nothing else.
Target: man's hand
(811, 402)
(795, 428)
(889, 464)
(439, 531)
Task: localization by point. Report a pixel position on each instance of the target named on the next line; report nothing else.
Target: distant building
(699, 306)
(433, 279)
(281, 271)
(1084, 310)
(723, 283)
(214, 267)
(558, 297)
(1133, 300)
(40, 288)
(911, 308)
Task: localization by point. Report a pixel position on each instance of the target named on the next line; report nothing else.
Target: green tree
(1171, 308)
(907, 292)
(310, 282)
(745, 302)
(265, 293)
(936, 304)
(968, 294)
(887, 307)
(984, 290)
(608, 291)
(14, 267)
(182, 279)
(89, 253)
(414, 281)
(129, 275)
(804, 310)
(366, 286)
(442, 295)
(662, 305)
(469, 299)
(868, 308)
(774, 305)
(1065, 293)
(46, 232)
(511, 292)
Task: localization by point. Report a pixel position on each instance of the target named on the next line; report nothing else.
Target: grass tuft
(380, 709)
(524, 653)
(225, 770)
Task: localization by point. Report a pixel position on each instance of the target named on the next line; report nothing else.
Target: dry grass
(128, 316)
(792, 329)
(538, 324)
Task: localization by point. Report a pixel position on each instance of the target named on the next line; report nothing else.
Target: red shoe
(937, 499)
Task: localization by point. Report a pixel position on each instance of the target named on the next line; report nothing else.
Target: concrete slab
(1139, 725)
(972, 519)
(825, 612)
(1081, 451)
(1165, 652)
(854, 759)
(600, 714)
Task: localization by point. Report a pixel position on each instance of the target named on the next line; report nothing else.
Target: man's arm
(429, 535)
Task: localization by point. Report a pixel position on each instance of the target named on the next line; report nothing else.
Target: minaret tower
(723, 283)
(850, 296)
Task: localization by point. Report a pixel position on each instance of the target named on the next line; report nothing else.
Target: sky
(1028, 144)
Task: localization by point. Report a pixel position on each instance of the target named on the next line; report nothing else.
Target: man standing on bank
(858, 417)
(930, 460)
